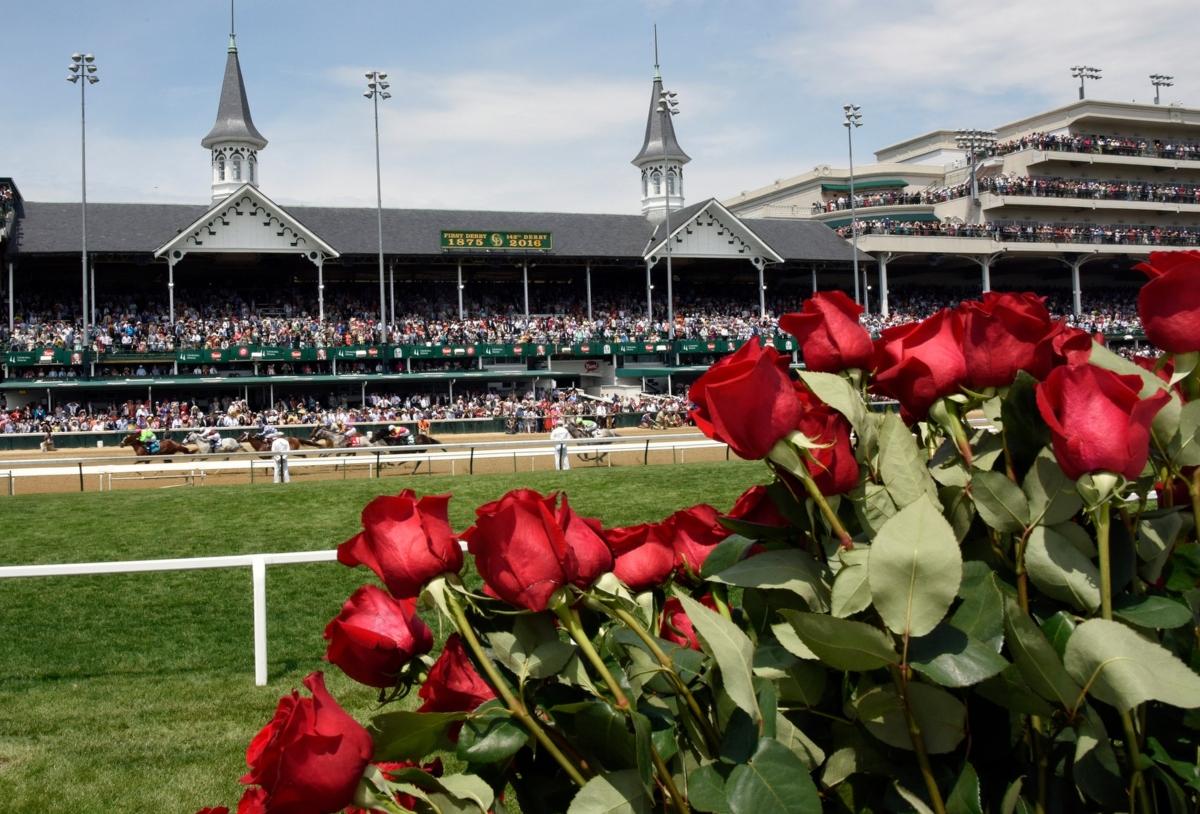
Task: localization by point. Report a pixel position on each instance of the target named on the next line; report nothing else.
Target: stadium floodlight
(852, 118)
(1159, 80)
(975, 144)
(1082, 72)
(667, 107)
(376, 91)
(82, 66)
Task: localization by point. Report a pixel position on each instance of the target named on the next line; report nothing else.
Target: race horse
(260, 444)
(224, 445)
(329, 439)
(589, 429)
(414, 443)
(165, 447)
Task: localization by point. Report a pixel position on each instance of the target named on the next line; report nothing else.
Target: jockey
(398, 433)
(148, 439)
(212, 437)
(267, 430)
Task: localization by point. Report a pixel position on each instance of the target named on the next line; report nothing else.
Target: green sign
(497, 241)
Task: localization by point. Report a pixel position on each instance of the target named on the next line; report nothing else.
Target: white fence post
(258, 574)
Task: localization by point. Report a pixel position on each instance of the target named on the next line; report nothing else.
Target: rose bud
(677, 627)
(1097, 421)
(407, 542)
(917, 364)
(1169, 302)
(1003, 334)
(375, 636)
(832, 464)
(644, 558)
(526, 549)
(756, 506)
(828, 331)
(311, 755)
(695, 532)
(745, 400)
(453, 684)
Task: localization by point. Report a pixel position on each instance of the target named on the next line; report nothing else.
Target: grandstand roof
(660, 139)
(233, 111)
(132, 228)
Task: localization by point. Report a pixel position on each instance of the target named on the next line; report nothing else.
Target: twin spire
(661, 159)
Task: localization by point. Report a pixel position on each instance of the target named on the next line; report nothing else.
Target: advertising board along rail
(372, 458)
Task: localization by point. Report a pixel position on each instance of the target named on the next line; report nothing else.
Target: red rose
(311, 755)
(756, 506)
(1003, 334)
(407, 542)
(746, 401)
(1070, 346)
(1150, 364)
(375, 635)
(694, 533)
(830, 336)
(644, 557)
(524, 551)
(1097, 422)
(677, 627)
(1169, 303)
(918, 363)
(390, 770)
(832, 465)
(254, 801)
(453, 684)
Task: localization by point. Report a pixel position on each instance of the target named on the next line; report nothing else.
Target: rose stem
(633, 624)
(677, 801)
(826, 510)
(573, 625)
(514, 704)
(899, 676)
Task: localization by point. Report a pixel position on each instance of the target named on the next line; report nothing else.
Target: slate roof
(233, 111)
(53, 228)
(660, 139)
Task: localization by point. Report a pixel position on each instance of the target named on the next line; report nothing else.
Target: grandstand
(1064, 200)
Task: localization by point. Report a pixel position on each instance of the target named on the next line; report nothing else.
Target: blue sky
(540, 105)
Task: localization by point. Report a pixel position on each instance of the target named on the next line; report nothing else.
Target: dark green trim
(873, 183)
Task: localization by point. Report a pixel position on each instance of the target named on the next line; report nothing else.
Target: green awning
(868, 183)
(207, 382)
(657, 372)
(906, 217)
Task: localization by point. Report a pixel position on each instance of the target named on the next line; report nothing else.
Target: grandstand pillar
(92, 295)
(1076, 292)
(525, 284)
(171, 286)
(10, 297)
(985, 271)
(320, 261)
(392, 293)
(762, 292)
(461, 313)
(882, 258)
(587, 272)
(814, 278)
(649, 296)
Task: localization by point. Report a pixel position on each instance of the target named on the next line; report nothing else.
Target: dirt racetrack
(258, 469)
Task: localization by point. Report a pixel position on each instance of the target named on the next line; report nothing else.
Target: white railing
(258, 574)
(373, 458)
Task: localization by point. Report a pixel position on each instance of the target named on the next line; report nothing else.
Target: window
(671, 183)
(250, 168)
(237, 168)
(221, 169)
(645, 185)
(656, 177)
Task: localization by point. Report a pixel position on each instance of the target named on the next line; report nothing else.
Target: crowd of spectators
(7, 197)
(1105, 145)
(1013, 232)
(527, 411)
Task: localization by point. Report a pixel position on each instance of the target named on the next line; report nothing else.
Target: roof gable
(709, 230)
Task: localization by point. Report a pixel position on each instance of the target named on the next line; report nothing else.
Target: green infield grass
(135, 692)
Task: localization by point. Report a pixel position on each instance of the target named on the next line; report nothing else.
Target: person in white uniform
(280, 447)
(559, 435)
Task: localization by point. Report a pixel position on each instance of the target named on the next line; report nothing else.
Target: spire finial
(657, 74)
(232, 30)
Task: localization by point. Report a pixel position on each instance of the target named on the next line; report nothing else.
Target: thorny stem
(573, 625)
(631, 622)
(514, 704)
(918, 741)
(827, 512)
(677, 801)
(1137, 783)
(1101, 517)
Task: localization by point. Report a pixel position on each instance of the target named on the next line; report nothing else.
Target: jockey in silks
(267, 431)
(148, 439)
(399, 435)
(212, 437)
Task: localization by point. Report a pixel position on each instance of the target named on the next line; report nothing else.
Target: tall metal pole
(379, 214)
(670, 290)
(853, 120)
(83, 221)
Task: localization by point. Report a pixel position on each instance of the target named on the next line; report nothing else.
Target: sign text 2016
(497, 241)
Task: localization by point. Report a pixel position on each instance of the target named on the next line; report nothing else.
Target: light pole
(1082, 72)
(83, 67)
(853, 119)
(1159, 80)
(667, 107)
(376, 89)
(975, 143)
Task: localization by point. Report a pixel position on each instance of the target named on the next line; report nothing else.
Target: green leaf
(725, 554)
(613, 793)
(1034, 656)
(901, 463)
(775, 781)
(411, 735)
(490, 735)
(1025, 433)
(1060, 571)
(730, 647)
(837, 393)
(802, 746)
(1122, 669)
(532, 649)
(914, 569)
(999, 501)
(1052, 495)
(1013, 802)
(851, 591)
(965, 798)
(1187, 772)
(790, 569)
(804, 684)
(873, 505)
(1155, 612)
(948, 657)
(1188, 453)
(603, 732)
(1058, 629)
(468, 788)
(941, 717)
(1010, 691)
(706, 790)
(1096, 772)
(843, 644)
(787, 637)
(980, 615)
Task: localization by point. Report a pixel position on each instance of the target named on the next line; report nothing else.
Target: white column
(258, 577)
(762, 293)
(11, 306)
(171, 286)
(320, 261)
(985, 268)
(884, 309)
(588, 276)
(461, 313)
(525, 284)
(814, 278)
(92, 297)
(649, 297)
(1076, 290)
(392, 291)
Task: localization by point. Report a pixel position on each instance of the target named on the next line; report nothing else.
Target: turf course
(135, 692)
